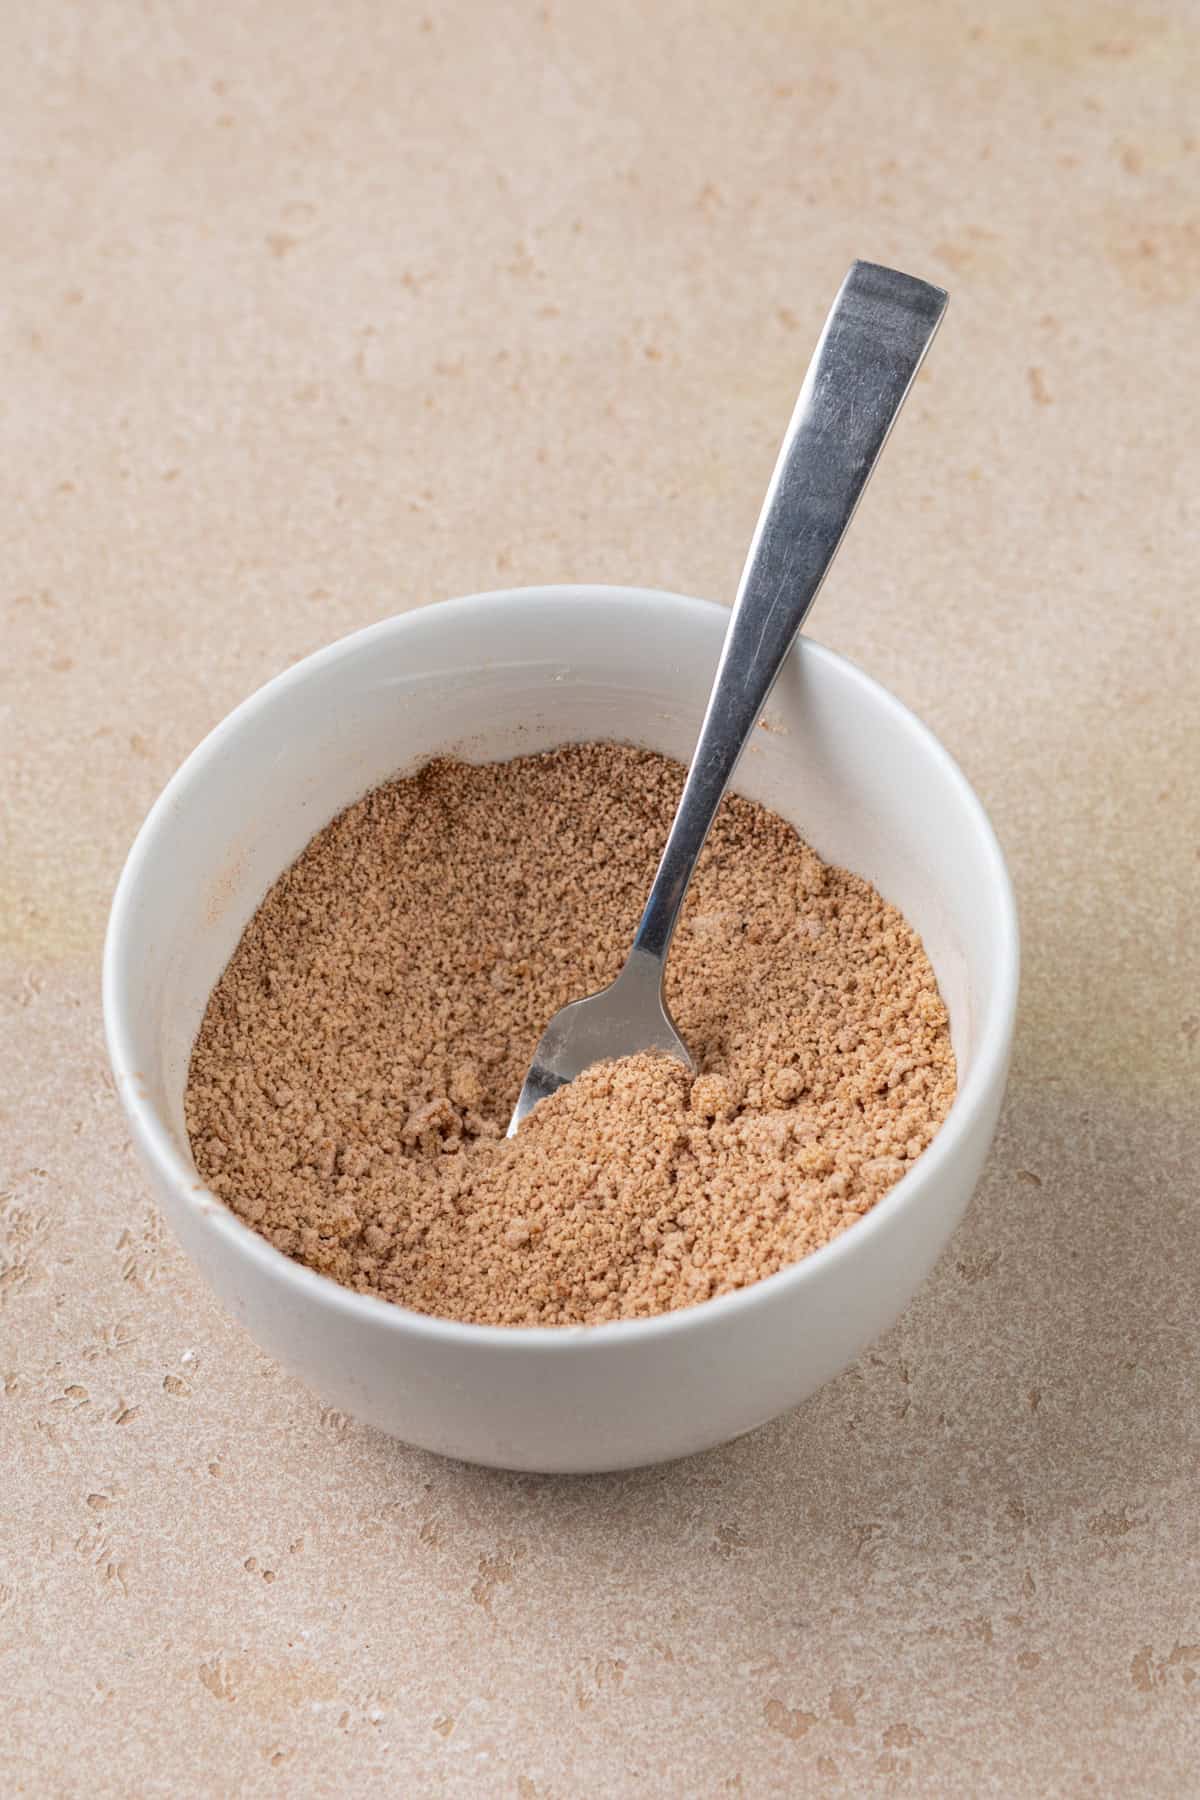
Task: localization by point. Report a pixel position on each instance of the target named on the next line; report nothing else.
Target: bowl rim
(239, 1240)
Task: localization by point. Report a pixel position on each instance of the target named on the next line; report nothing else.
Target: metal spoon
(873, 343)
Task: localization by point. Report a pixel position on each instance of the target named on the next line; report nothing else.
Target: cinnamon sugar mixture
(360, 1056)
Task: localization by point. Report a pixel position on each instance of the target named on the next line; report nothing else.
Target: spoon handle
(873, 343)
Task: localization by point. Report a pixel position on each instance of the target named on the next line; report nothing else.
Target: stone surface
(314, 315)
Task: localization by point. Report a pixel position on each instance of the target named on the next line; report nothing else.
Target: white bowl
(493, 676)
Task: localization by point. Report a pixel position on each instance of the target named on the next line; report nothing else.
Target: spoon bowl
(628, 1016)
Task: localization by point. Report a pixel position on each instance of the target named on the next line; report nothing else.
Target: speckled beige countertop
(312, 314)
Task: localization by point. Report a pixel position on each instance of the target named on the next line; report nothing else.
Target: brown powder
(360, 1057)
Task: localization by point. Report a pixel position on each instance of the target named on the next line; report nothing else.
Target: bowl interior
(499, 676)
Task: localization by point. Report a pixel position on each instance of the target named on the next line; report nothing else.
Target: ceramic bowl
(493, 676)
